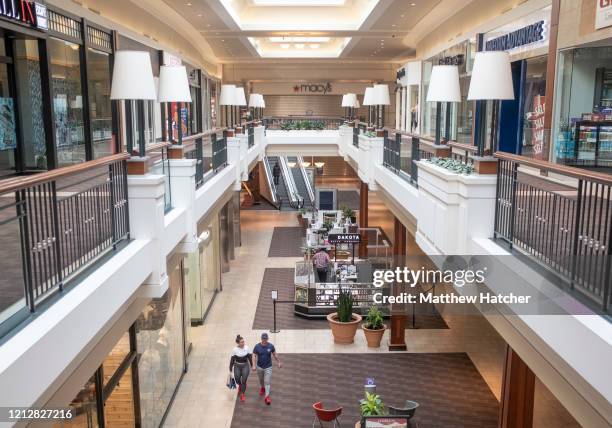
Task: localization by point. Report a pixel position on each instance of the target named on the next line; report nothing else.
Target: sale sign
(603, 14)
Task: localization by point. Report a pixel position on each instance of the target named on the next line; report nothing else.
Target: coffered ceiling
(270, 30)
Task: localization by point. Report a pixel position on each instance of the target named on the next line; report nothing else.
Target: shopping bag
(231, 382)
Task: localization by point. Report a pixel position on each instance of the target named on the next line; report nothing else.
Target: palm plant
(372, 405)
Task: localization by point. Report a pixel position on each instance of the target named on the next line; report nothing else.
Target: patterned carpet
(448, 387)
(282, 279)
(286, 242)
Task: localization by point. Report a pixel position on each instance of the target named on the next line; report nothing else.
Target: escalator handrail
(311, 195)
(289, 183)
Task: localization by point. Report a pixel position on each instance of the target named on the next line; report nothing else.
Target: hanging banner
(603, 14)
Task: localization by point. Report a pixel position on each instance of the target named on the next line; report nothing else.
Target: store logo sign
(452, 60)
(344, 238)
(603, 14)
(523, 36)
(323, 88)
(25, 12)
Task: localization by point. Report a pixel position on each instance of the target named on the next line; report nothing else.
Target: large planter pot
(344, 332)
(373, 337)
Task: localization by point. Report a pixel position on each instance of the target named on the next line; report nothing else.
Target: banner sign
(603, 14)
(344, 238)
(523, 36)
(25, 12)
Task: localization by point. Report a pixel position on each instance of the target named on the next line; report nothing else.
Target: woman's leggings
(241, 374)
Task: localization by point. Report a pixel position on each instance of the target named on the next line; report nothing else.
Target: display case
(593, 144)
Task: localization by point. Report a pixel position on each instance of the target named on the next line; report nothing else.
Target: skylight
(299, 2)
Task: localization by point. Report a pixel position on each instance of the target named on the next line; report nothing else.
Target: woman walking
(240, 365)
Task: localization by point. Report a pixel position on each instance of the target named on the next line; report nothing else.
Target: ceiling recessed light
(402, 15)
(412, 4)
(393, 25)
(200, 15)
(188, 4)
(223, 40)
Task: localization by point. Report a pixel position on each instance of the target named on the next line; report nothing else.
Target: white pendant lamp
(367, 96)
(254, 100)
(380, 95)
(132, 76)
(228, 95)
(380, 99)
(262, 101)
(240, 97)
(444, 84)
(491, 80)
(491, 77)
(173, 84)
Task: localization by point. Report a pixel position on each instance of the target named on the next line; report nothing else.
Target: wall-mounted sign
(452, 60)
(344, 238)
(523, 36)
(323, 88)
(603, 14)
(25, 12)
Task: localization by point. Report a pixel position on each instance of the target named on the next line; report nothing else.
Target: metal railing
(209, 151)
(307, 181)
(274, 193)
(356, 137)
(563, 227)
(160, 164)
(295, 200)
(56, 224)
(302, 122)
(251, 135)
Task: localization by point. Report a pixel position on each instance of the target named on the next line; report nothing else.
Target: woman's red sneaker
(262, 391)
(242, 397)
(267, 400)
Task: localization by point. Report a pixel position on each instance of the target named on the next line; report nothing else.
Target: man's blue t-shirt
(264, 355)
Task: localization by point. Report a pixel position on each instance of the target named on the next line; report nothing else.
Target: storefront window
(160, 338)
(8, 135)
(534, 108)
(98, 73)
(67, 98)
(583, 123)
(30, 104)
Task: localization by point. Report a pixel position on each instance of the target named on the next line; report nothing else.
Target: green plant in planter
(328, 225)
(372, 405)
(370, 134)
(345, 306)
(452, 165)
(374, 319)
(347, 212)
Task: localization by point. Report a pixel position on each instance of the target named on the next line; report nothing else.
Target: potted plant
(374, 327)
(349, 213)
(344, 322)
(372, 405)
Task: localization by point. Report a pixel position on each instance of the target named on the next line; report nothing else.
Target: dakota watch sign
(603, 14)
(25, 12)
(344, 238)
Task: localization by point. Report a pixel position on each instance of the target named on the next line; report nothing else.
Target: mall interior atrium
(306, 213)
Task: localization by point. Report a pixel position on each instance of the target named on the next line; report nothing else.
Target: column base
(175, 151)
(485, 164)
(138, 165)
(397, 339)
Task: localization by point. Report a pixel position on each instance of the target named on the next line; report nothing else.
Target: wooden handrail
(202, 134)
(569, 171)
(13, 184)
(404, 133)
(463, 146)
(156, 146)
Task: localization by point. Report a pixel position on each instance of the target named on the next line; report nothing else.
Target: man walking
(276, 171)
(263, 353)
(321, 263)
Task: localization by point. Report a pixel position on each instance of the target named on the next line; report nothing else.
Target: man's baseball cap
(264, 336)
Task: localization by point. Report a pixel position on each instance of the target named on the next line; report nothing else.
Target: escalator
(300, 179)
(280, 190)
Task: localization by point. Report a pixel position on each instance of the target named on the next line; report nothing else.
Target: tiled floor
(204, 401)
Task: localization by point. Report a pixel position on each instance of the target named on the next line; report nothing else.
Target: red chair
(323, 415)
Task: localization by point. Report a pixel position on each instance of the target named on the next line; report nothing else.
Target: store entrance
(22, 131)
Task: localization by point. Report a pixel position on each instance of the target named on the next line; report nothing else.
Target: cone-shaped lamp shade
(491, 77)
(345, 102)
(254, 100)
(132, 76)
(240, 97)
(356, 102)
(173, 84)
(262, 101)
(367, 97)
(228, 95)
(444, 84)
(380, 95)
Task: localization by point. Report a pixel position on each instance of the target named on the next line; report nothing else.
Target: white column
(182, 188)
(233, 159)
(146, 201)
(405, 110)
(398, 108)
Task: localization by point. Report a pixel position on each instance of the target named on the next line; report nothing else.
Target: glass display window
(583, 108)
